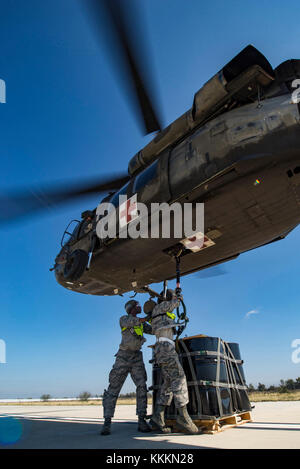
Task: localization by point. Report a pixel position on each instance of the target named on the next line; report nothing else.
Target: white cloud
(250, 313)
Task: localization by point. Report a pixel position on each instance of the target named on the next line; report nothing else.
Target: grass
(253, 396)
(274, 396)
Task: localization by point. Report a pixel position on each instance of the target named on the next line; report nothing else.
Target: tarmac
(274, 425)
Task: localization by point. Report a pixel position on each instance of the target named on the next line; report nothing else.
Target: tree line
(284, 386)
(85, 396)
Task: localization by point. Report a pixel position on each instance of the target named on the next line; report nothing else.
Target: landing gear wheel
(76, 265)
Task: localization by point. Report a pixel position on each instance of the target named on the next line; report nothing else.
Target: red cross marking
(129, 212)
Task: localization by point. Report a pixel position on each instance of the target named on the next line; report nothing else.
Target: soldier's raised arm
(166, 306)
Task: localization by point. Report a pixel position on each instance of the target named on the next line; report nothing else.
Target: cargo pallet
(216, 383)
(212, 426)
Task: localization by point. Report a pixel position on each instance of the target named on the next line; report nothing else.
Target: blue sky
(65, 119)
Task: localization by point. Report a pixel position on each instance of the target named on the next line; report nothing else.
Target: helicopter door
(182, 168)
(163, 170)
(152, 184)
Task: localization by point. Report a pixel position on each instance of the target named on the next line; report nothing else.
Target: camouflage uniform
(174, 381)
(129, 359)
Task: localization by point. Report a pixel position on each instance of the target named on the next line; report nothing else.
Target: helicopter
(236, 150)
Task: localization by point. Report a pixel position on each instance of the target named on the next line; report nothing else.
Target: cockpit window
(145, 177)
(71, 232)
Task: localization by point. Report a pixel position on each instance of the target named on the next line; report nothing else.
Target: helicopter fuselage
(244, 165)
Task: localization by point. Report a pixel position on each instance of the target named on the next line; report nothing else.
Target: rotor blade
(127, 47)
(25, 203)
(215, 271)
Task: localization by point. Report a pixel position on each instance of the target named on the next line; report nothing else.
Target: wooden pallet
(218, 425)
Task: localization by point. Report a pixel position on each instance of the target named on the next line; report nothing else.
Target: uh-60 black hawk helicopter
(237, 150)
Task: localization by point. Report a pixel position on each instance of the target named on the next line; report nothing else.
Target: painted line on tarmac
(279, 426)
(70, 419)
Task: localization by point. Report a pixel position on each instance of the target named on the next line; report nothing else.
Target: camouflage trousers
(173, 377)
(126, 362)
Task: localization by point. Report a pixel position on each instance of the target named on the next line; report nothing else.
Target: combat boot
(158, 419)
(184, 421)
(143, 425)
(106, 427)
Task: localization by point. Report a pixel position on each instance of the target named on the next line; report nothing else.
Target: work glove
(146, 318)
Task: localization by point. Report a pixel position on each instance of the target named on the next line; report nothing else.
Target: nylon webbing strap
(214, 354)
(193, 375)
(217, 384)
(235, 361)
(202, 382)
(218, 379)
(236, 386)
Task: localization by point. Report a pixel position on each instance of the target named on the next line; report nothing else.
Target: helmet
(170, 294)
(130, 305)
(149, 306)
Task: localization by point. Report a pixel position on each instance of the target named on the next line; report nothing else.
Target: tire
(76, 265)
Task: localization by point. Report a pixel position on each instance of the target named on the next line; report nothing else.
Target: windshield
(70, 232)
